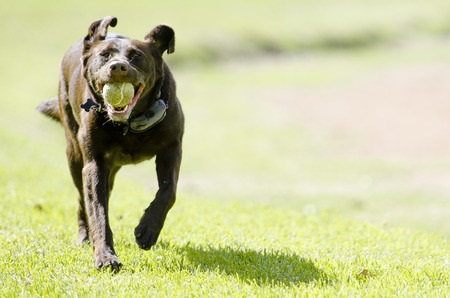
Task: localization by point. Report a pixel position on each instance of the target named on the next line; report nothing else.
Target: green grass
(266, 206)
(214, 30)
(217, 248)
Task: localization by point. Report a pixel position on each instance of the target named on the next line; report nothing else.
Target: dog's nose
(118, 69)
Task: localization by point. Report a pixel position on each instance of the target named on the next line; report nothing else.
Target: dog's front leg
(167, 168)
(96, 190)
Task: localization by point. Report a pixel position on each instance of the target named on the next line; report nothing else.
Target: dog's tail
(50, 108)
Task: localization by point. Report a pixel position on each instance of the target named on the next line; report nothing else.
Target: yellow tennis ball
(118, 94)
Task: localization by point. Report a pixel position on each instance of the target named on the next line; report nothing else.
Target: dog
(101, 138)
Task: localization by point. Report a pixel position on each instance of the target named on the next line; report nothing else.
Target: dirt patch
(403, 112)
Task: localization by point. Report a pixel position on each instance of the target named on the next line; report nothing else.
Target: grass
(282, 212)
(211, 30)
(220, 249)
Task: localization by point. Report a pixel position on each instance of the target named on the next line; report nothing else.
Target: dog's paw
(107, 261)
(146, 237)
(83, 238)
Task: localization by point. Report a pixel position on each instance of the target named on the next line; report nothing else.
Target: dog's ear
(163, 37)
(97, 31)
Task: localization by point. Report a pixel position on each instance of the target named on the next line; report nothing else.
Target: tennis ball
(118, 94)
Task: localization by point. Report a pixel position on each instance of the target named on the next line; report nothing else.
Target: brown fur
(97, 144)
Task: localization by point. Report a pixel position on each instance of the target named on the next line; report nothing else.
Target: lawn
(222, 249)
(273, 200)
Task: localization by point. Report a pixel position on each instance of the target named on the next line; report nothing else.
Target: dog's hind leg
(75, 161)
(76, 168)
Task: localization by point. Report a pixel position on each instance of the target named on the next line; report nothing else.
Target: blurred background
(309, 105)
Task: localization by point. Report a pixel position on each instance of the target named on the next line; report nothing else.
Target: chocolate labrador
(103, 137)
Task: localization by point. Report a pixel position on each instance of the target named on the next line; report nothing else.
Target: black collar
(151, 117)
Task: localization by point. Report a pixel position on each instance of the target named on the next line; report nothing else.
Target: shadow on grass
(261, 267)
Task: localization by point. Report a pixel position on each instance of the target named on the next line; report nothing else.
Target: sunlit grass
(219, 248)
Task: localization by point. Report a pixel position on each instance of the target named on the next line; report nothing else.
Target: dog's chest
(131, 151)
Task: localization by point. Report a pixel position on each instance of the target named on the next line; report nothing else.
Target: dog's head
(112, 58)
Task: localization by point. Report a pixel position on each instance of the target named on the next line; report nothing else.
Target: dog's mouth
(120, 110)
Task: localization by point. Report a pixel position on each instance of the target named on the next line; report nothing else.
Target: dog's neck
(140, 123)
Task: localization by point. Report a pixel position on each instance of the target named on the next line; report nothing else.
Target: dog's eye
(106, 55)
(135, 56)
